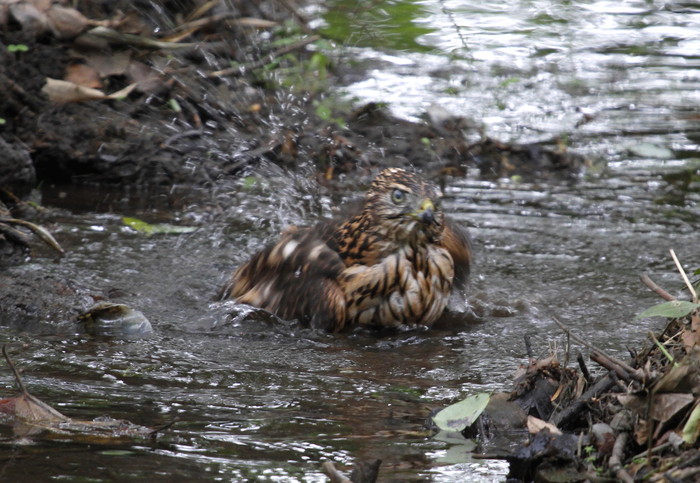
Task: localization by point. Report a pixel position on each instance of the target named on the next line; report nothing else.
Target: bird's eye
(398, 196)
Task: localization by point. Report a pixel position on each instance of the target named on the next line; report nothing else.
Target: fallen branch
(655, 288)
(619, 371)
(616, 459)
(562, 418)
(41, 232)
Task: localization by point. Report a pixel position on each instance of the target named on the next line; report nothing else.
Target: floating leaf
(156, 229)
(648, 150)
(672, 310)
(106, 318)
(461, 415)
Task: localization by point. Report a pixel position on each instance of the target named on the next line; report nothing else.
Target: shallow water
(256, 399)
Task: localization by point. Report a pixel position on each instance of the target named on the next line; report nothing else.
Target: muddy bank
(191, 118)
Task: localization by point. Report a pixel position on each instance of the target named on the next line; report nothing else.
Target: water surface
(259, 399)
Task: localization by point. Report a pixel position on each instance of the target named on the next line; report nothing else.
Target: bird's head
(404, 206)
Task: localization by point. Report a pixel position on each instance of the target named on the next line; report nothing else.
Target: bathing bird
(392, 264)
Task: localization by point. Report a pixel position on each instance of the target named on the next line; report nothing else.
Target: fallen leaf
(147, 80)
(63, 91)
(663, 406)
(30, 409)
(463, 414)
(83, 75)
(156, 229)
(29, 17)
(108, 65)
(66, 22)
(535, 425)
(691, 429)
(34, 417)
(106, 318)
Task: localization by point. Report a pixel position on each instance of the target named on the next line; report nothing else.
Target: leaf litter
(33, 419)
(638, 420)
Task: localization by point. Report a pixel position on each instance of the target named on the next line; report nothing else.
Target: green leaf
(116, 452)
(156, 229)
(174, 105)
(17, 48)
(461, 415)
(690, 430)
(672, 310)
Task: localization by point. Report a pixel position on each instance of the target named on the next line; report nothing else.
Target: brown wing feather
(457, 241)
(293, 278)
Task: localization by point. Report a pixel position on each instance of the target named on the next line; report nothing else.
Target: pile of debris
(638, 421)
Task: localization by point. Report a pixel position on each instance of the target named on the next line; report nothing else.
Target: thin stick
(655, 288)
(18, 378)
(266, 59)
(663, 350)
(334, 475)
(578, 339)
(616, 459)
(693, 293)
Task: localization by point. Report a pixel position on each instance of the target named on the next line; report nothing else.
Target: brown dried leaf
(535, 425)
(31, 410)
(666, 406)
(695, 329)
(147, 80)
(30, 17)
(65, 22)
(107, 65)
(663, 407)
(63, 91)
(678, 379)
(83, 75)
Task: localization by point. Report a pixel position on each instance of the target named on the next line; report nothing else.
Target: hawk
(394, 263)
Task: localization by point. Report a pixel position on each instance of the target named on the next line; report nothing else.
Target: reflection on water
(532, 69)
(255, 398)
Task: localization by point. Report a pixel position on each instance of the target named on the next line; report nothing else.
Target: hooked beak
(426, 212)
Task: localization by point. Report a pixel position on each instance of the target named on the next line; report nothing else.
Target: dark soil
(225, 123)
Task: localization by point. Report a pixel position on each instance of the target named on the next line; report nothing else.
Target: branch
(655, 288)
(18, 378)
(615, 463)
(693, 293)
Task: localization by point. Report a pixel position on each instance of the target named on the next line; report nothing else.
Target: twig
(335, 476)
(615, 463)
(265, 60)
(663, 349)
(560, 420)
(655, 288)
(581, 341)
(528, 347)
(114, 37)
(623, 371)
(582, 366)
(153, 434)
(18, 378)
(301, 20)
(693, 293)
(40, 231)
